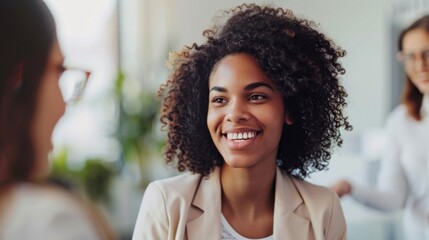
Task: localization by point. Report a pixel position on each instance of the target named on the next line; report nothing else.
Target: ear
(288, 119)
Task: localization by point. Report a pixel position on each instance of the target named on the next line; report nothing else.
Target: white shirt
(403, 181)
(40, 213)
(228, 233)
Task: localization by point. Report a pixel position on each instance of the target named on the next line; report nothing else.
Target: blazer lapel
(287, 223)
(204, 213)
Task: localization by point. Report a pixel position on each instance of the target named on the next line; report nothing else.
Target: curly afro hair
(301, 61)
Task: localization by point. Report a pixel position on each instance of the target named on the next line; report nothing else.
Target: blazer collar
(287, 223)
(205, 212)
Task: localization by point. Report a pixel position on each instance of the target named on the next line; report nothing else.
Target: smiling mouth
(241, 135)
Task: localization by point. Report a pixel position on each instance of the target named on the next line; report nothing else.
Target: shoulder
(171, 192)
(398, 116)
(324, 209)
(310, 192)
(41, 197)
(165, 205)
(186, 180)
(47, 211)
(398, 124)
(177, 186)
(321, 202)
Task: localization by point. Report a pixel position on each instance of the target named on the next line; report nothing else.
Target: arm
(152, 221)
(391, 190)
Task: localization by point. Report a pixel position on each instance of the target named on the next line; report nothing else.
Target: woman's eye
(257, 97)
(218, 100)
(409, 57)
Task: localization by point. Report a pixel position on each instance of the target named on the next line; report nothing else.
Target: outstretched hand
(342, 188)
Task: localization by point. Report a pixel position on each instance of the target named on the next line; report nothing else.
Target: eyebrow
(256, 85)
(247, 88)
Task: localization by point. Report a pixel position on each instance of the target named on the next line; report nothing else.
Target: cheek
(409, 72)
(212, 120)
(50, 105)
(273, 114)
(274, 120)
(53, 102)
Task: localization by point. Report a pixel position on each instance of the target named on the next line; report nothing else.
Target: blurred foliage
(94, 177)
(137, 132)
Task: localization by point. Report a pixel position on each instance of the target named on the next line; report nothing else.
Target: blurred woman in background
(403, 181)
(31, 103)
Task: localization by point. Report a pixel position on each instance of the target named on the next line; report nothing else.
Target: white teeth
(240, 136)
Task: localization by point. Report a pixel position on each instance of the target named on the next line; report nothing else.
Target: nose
(237, 112)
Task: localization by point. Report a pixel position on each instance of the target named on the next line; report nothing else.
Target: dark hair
(27, 32)
(411, 96)
(299, 59)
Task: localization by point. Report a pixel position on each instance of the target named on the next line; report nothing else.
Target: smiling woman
(250, 113)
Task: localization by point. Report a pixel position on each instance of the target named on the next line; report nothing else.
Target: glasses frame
(407, 62)
(76, 96)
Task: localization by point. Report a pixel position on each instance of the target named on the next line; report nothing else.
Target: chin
(425, 90)
(238, 163)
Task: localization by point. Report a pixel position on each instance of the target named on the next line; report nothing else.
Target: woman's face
(49, 109)
(415, 46)
(246, 112)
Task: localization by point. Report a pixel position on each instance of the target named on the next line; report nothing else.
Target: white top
(37, 213)
(228, 233)
(403, 181)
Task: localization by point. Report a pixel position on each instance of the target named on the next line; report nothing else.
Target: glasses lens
(406, 58)
(409, 60)
(72, 84)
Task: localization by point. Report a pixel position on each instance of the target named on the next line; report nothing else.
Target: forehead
(416, 40)
(238, 68)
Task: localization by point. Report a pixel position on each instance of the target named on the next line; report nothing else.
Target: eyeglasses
(410, 59)
(72, 84)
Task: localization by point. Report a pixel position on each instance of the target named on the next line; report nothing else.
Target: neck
(247, 192)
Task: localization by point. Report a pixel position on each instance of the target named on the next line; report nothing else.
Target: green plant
(94, 177)
(136, 131)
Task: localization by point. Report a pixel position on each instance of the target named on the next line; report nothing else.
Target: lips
(239, 139)
(424, 77)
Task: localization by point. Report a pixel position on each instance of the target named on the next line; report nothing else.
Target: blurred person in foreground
(403, 180)
(31, 103)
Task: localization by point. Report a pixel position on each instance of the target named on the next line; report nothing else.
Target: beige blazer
(189, 207)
